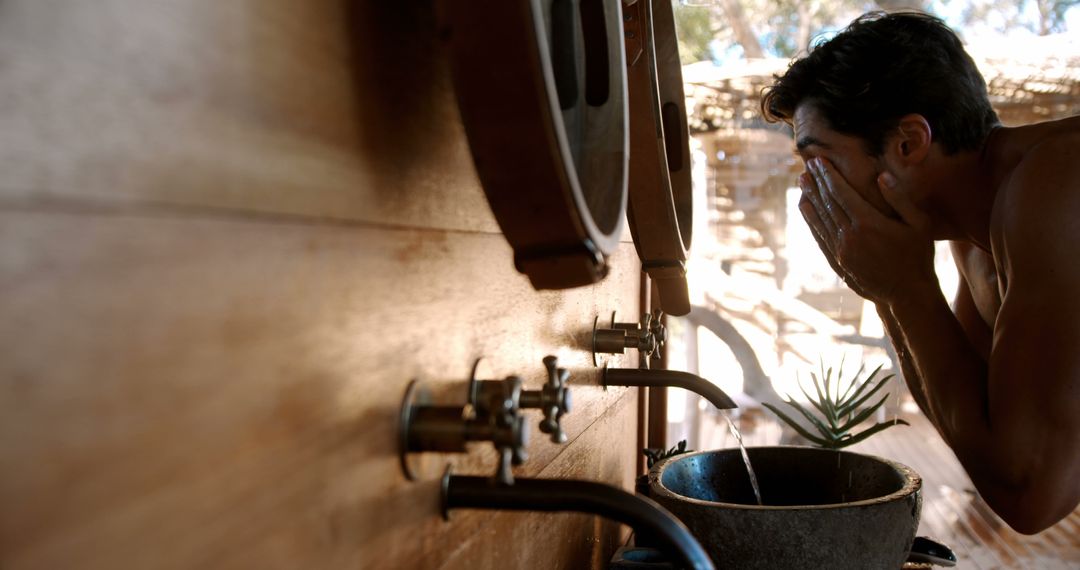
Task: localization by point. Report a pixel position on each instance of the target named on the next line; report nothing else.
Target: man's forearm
(1011, 453)
(950, 373)
(907, 365)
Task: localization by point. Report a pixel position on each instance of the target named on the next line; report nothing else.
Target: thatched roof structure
(1034, 79)
(1029, 80)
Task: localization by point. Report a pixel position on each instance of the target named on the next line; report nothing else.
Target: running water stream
(746, 458)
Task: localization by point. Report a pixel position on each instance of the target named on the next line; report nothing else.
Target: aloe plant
(840, 410)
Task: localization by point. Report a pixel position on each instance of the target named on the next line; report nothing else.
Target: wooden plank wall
(230, 234)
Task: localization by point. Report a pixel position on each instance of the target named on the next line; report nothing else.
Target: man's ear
(911, 140)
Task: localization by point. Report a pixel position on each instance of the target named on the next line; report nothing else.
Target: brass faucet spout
(668, 378)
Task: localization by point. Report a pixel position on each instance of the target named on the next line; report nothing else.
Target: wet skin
(842, 198)
(846, 154)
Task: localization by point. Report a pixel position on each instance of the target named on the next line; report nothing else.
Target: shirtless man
(902, 148)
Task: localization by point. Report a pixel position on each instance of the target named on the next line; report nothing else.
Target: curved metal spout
(549, 495)
(672, 378)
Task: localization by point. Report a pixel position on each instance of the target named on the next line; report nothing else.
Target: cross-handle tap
(657, 328)
(511, 449)
(650, 334)
(553, 398)
(509, 432)
(646, 335)
(448, 429)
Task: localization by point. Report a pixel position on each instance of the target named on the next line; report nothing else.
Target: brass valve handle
(494, 417)
(654, 324)
(640, 336)
(553, 398)
(657, 328)
(647, 335)
(498, 403)
(513, 437)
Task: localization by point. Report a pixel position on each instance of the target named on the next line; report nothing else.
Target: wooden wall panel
(327, 108)
(230, 234)
(179, 392)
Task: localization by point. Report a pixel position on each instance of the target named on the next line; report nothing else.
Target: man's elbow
(1032, 522)
(1042, 506)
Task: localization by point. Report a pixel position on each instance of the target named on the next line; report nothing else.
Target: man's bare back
(980, 290)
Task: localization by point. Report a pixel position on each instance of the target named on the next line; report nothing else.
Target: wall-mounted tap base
(596, 338)
(424, 427)
(412, 396)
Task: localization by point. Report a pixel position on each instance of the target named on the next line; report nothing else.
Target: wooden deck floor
(952, 512)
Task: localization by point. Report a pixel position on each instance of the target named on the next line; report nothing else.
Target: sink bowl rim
(912, 482)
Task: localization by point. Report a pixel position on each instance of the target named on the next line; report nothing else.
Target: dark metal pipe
(551, 495)
(437, 428)
(668, 378)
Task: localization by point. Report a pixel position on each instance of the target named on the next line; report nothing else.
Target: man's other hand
(874, 254)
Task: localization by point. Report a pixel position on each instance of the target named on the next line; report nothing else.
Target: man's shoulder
(1054, 148)
(1046, 182)
(1036, 212)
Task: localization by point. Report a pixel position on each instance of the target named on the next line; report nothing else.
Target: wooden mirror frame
(661, 195)
(541, 86)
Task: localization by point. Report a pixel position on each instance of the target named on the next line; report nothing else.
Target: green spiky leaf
(863, 415)
(795, 425)
(840, 409)
(829, 401)
(822, 402)
(862, 400)
(862, 386)
(851, 386)
(824, 430)
(812, 401)
(871, 431)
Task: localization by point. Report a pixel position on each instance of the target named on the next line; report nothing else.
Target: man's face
(814, 138)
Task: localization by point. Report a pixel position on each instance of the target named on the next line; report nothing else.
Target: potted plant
(841, 409)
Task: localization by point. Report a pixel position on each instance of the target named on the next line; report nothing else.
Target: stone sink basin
(822, 508)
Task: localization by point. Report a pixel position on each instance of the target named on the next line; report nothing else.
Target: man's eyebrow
(804, 142)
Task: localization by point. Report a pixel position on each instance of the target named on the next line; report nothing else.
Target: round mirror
(541, 85)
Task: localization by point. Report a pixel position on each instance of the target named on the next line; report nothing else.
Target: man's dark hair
(882, 67)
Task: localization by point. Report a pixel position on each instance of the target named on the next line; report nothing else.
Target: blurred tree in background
(719, 30)
(1009, 14)
(694, 25)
